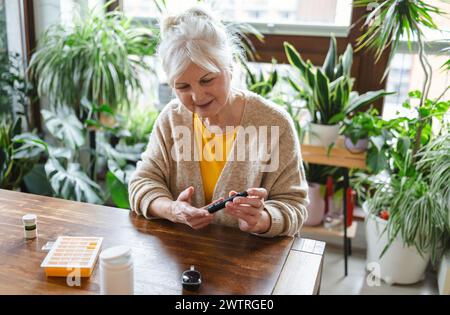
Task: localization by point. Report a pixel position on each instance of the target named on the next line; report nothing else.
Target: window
(406, 73)
(299, 17)
(3, 38)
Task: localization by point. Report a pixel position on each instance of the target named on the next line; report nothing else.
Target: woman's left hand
(250, 211)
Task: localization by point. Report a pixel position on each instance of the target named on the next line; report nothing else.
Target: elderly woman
(213, 141)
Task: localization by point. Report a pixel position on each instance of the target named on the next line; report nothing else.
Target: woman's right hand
(184, 212)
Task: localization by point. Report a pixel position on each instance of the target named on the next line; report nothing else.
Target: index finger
(257, 192)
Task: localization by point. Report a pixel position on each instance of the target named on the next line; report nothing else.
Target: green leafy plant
(65, 172)
(14, 89)
(415, 207)
(260, 83)
(98, 60)
(132, 133)
(359, 126)
(19, 152)
(417, 199)
(387, 24)
(413, 190)
(328, 89)
(369, 125)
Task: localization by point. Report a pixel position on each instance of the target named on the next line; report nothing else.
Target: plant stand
(338, 156)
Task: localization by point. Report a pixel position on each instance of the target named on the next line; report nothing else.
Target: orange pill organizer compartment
(70, 254)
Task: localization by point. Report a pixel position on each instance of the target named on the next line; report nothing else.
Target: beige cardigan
(170, 164)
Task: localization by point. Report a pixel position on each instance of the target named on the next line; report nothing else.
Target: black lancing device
(221, 204)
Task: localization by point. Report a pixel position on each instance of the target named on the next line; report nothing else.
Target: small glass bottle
(30, 226)
(116, 271)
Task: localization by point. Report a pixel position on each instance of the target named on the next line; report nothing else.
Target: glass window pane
(318, 12)
(406, 75)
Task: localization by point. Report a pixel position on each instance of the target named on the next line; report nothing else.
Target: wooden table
(231, 262)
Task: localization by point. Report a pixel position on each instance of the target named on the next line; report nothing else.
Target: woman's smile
(205, 104)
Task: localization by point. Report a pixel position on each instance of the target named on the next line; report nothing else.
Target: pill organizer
(71, 253)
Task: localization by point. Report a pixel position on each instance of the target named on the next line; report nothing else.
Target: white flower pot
(316, 207)
(399, 264)
(323, 135)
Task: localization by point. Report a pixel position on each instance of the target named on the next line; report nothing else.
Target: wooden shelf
(339, 156)
(322, 231)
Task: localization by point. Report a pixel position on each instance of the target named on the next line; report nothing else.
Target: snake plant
(328, 88)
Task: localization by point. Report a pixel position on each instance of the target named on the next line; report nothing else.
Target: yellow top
(213, 151)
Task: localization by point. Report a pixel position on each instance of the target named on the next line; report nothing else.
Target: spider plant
(418, 199)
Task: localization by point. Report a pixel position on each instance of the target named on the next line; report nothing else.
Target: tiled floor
(334, 282)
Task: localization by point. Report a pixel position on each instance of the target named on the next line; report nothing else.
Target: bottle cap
(29, 218)
(116, 255)
(191, 279)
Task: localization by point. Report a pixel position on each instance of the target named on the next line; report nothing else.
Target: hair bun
(197, 11)
(168, 22)
(200, 11)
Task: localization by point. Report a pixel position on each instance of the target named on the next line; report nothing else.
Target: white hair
(197, 36)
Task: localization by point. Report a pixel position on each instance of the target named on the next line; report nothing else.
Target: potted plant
(408, 214)
(356, 132)
(260, 83)
(93, 67)
(328, 91)
(88, 72)
(418, 219)
(365, 130)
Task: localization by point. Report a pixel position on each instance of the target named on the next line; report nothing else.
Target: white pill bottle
(116, 271)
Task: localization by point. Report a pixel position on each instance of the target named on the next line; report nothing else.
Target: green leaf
(118, 191)
(321, 93)
(376, 161)
(72, 183)
(29, 146)
(330, 60)
(365, 99)
(37, 182)
(378, 142)
(65, 126)
(294, 57)
(415, 94)
(347, 60)
(336, 118)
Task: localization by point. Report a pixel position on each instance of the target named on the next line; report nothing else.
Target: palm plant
(391, 21)
(328, 89)
(98, 60)
(87, 71)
